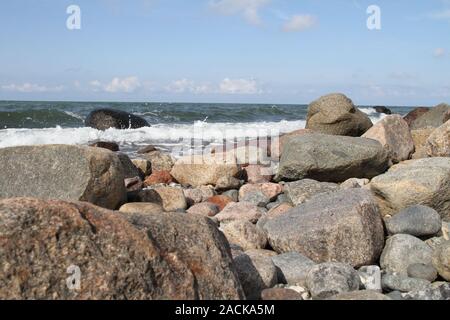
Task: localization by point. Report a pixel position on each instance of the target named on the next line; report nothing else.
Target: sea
(172, 124)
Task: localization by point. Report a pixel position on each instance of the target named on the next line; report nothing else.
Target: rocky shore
(352, 211)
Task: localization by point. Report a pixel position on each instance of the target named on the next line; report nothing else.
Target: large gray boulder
(331, 158)
(403, 250)
(422, 181)
(103, 119)
(47, 246)
(63, 172)
(434, 118)
(344, 226)
(337, 115)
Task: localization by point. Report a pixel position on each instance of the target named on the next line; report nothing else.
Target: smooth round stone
(416, 221)
(422, 271)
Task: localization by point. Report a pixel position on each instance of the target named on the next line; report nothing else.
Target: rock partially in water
(103, 119)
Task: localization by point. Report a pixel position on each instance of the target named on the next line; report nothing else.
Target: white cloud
(239, 86)
(124, 85)
(300, 22)
(31, 87)
(127, 85)
(249, 9)
(439, 52)
(185, 85)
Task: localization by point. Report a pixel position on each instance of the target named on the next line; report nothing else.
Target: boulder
(269, 190)
(422, 181)
(65, 172)
(292, 268)
(158, 177)
(279, 210)
(141, 207)
(45, 244)
(205, 209)
(172, 198)
(204, 170)
(329, 279)
(257, 198)
(245, 234)
(441, 260)
(416, 113)
(241, 211)
(336, 114)
(403, 250)
(197, 195)
(258, 174)
(103, 119)
(331, 158)
(438, 143)
(160, 161)
(394, 135)
(416, 220)
(256, 273)
(381, 109)
(299, 192)
(344, 226)
(434, 118)
(226, 183)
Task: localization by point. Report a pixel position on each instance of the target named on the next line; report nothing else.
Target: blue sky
(274, 51)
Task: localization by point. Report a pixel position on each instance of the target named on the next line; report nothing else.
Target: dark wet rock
(103, 119)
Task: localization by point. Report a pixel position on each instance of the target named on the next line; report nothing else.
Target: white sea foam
(168, 135)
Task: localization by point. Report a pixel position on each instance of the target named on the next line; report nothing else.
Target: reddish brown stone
(105, 145)
(220, 201)
(159, 177)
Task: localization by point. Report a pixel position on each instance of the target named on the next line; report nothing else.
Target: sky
(236, 51)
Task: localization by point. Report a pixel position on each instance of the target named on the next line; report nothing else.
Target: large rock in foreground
(63, 172)
(204, 170)
(393, 133)
(336, 114)
(331, 158)
(422, 181)
(103, 119)
(131, 256)
(344, 226)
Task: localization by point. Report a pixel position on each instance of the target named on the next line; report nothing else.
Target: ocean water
(172, 124)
